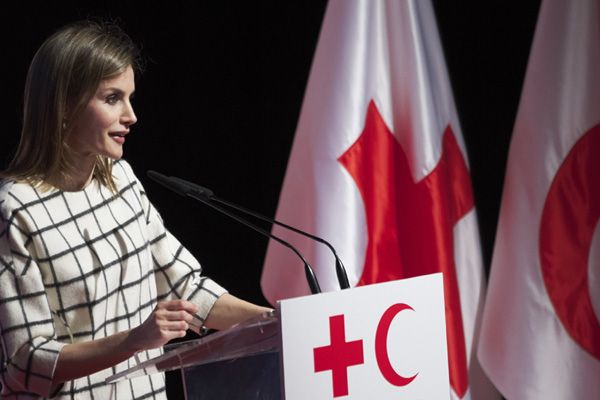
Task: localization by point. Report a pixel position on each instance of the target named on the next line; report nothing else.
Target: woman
(89, 276)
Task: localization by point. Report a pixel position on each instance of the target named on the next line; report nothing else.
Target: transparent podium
(239, 363)
(380, 341)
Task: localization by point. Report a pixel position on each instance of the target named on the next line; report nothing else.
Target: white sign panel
(382, 341)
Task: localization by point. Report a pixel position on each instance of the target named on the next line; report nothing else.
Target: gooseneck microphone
(340, 270)
(205, 196)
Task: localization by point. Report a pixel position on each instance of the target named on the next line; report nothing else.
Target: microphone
(203, 195)
(208, 194)
(179, 186)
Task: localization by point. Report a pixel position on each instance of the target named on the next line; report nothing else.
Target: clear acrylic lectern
(242, 362)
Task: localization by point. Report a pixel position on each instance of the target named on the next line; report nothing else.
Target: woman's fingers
(169, 320)
(177, 305)
(179, 312)
(178, 316)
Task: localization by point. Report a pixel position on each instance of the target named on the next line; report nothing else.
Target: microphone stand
(208, 195)
(339, 267)
(183, 188)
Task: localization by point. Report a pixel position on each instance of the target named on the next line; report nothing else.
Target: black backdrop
(222, 91)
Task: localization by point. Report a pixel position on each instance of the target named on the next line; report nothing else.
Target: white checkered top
(77, 266)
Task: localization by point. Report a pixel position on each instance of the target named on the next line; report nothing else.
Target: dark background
(221, 95)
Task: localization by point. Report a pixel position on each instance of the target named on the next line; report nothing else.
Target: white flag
(540, 335)
(378, 168)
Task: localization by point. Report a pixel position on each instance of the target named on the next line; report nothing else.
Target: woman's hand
(169, 320)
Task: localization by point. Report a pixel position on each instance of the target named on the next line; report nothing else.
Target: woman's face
(104, 123)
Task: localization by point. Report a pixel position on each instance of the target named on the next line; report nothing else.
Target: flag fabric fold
(379, 168)
(540, 336)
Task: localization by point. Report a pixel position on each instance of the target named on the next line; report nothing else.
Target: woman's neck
(80, 175)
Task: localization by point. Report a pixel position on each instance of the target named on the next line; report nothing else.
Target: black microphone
(179, 186)
(209, 195)
(203, 195)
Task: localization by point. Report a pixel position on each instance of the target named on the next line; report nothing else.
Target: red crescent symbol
(569, 218)
(381, 353)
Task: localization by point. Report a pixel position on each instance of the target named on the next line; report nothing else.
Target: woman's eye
(112, 99)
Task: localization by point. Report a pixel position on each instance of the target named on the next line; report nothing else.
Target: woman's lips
(118, 137)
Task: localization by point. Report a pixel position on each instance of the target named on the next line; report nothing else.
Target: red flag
(541, 336)
(378, 167)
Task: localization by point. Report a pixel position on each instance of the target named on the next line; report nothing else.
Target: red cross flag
(379, 168)
(541, 335)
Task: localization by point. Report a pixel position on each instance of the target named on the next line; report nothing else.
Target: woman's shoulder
(6, 186)
(16, 195)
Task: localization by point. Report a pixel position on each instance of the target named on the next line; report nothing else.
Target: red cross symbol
(410, 223)
(338, 356)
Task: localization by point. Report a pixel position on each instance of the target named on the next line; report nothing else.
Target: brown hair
(62, 78)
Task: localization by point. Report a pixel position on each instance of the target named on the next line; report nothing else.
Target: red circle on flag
(569, 218)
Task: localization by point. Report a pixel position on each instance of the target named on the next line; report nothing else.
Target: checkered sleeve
(178, 273)
(28, 349)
